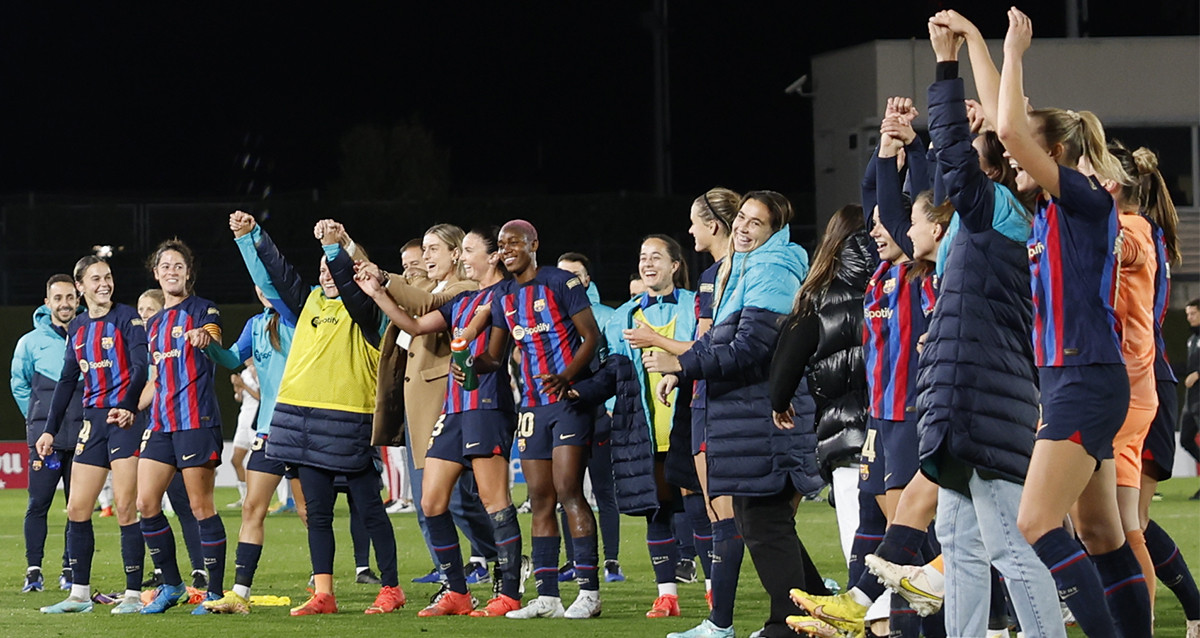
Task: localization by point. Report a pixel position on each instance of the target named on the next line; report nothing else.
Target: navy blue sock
(1078, 582)
(133, 555)
(564, 528)
(507, 532)
(663, 546)
(870, 531)
(1172, 570)
(684, 538)
(160, 540)
(444, 537)
(1125, 590)
(587, 558)
(728, 550)
(82, 540)
(545, 565)
(246, 563)
(702, 534)
(212, 542)
(903, 621)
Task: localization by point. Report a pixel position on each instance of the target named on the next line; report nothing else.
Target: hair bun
(1146, 161)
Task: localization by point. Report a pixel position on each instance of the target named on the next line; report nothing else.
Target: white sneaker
(1193, 629)
(587, 605)
(910, 581)
(235, 505)
(540, 607)
(401, 507)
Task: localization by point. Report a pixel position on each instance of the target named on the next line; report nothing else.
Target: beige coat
(421, 371)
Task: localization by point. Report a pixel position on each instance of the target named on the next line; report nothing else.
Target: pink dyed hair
(522, 226)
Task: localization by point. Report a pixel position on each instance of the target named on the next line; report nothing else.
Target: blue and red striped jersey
(184, 397)
(538, 316)
(493, 392)
(894, 316)
(101, 349)
(1162, 298)
(704, 310)
(1074, 275)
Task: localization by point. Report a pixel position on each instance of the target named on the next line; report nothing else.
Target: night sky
(528, 97)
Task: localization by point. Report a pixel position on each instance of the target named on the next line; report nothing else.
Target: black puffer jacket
(827, 348)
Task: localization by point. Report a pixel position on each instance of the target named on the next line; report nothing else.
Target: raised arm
(268, 268)
(425, 324)
(968, 188)
(363, 311)
(1012, 123)
(987, 78)
(891, 205)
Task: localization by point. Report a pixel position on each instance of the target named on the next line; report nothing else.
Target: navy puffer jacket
(747, 455)
(978, 399)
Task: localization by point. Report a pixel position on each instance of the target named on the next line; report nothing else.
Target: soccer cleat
(477, 573)
(199, 579)
(585, 606)
(433, 576)
(450, 603)
(107, 512)
(566, 573)
(230, 603)
(201, 608)
(288, 507)
(540, 607)
(367, 577)
(236, 505)
(685, 571)
(704, 630)
(498, 606)
(527, 506)
(388, 600)
(66, 579)
(841, 611)
(497, 579)
(320, 603)
(69, 606)
(153, 581)
(165, 597)
(809, 626)
(612, 572)
(401, 507)
(101, 598)
(128, 605)
(909, 581)
(665, 605)
(33, 581)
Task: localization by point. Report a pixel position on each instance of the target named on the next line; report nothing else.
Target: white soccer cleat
(910, 581)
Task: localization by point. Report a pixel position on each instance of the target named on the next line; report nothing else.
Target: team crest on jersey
(106, 343)
(539, 305)
(889, 286)
(572, 282)
(176, 332)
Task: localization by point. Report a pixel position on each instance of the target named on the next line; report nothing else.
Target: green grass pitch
(284, 571)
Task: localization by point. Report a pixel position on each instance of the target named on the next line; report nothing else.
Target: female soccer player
(108, 344)
(644, 432)
(1073, 259)
(267, 339)
(475, 431)
(546, 312)
(763, 467)
(322, 419)
(184, 434)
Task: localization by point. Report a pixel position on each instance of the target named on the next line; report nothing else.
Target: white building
(1146, 91)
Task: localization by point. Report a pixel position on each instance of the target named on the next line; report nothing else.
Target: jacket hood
(593, 294)
(779, 251)
(766, 277)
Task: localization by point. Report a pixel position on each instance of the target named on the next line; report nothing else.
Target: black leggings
(363, 487)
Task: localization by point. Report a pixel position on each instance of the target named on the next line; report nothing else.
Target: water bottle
(52, 461)
(460, 352)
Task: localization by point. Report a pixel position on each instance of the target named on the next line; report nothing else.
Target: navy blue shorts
(902, 452)
(1084, 404)
(184, 448)
(100, 443)
(873, 459)
(699, 430)
(541, 429)
(1158, 450)
(461, 436)
(258, 461)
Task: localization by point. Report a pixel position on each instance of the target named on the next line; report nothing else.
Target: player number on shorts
(525, 425)
(145, 439)
(85, 432)
(868, 450)
(257, 444)
(437, 427)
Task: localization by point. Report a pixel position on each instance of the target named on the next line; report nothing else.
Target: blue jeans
(979, 531)
(465, 508)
